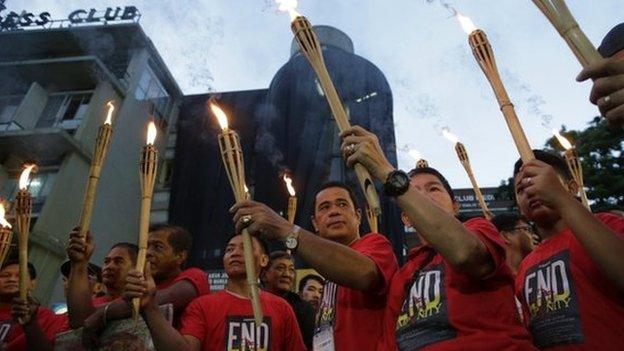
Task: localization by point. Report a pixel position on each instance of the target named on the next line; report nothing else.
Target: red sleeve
(292, 335)
(491, 238)
(198, 278)
(613, 222)
(378, 248)
(53, 324)
(194, 321)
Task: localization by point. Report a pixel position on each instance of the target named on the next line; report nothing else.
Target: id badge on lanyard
(324, 334)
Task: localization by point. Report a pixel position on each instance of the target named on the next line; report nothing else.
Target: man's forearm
(338, 263)
(164, 336)
(602, 244)
(462, 249)
(36, 339)
(79, 303)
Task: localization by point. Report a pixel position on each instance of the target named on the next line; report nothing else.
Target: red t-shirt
(195, 276)
(447, 310)
(12, 334)
(568, 302)
(103, 300)
(224, 321)
(358, 318)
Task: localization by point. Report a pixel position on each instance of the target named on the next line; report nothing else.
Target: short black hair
(555, 161)
(263, 244)
(179, 238)
(304, 281)
(336, 184)
(92, 270)
(278, 255)
(132, 249)
(506, 222)
(32, 272)
(434, 172)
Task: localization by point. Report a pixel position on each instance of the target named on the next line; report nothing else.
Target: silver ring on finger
(246, 219)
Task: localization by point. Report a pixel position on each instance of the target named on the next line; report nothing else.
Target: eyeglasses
(525, 227)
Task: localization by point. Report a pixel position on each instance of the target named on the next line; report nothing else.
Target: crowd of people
(550, 277)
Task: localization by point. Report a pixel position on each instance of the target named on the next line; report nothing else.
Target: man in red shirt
(118, 261)
(224, 320)
(572, 285)
(455, 292)
(518, 236)
(358, 268)
(24, 325)
(168, 247)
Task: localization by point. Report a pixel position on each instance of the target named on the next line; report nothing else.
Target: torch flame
(290, 6)
(24, 177)
(466, 23)
(416, 155)
(450, 136)
(151, 133)
(3, 221)
(562, 140)
(291, 189)
(109, 116)
(221, 116)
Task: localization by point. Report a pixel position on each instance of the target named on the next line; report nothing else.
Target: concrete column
(29, 111)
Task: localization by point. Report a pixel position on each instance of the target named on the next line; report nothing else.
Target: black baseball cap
(612, 42)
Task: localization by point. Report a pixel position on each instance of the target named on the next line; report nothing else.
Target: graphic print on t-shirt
(242, 334)
(424, 316)
(5, 327)
(554, 317)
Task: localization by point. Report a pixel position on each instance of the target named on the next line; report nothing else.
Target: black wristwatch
(396, 183)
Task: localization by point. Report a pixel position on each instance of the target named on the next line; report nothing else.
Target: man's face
(117, 263)
(312, 292)
(95, 286)
(9, 281)
(161, 255)
(234, 257)
(335, 217)
(532, 209)
(520, 238)
(280, 275)
(431, 186)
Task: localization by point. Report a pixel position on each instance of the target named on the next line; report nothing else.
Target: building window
(151, 89)
(40, 187)
(8, 108)
(65, 110)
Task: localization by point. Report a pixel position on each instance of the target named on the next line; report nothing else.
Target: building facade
(54, 86)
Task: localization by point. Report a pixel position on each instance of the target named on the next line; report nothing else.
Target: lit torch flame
(3, 221)
(466, 23)
(450, 136)
(221, 116)
(415, 154)
(562, 140)
(109, 116)
(290, 6)
(291, 189)
(151, 133)
(24, 178)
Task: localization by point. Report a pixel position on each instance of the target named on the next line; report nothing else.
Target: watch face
(291, 243)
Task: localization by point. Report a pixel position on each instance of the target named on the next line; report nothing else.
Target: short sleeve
(198, 278)
(292, 335)
(193, 321)
(491, 238)
(613, 222)
(378, 248)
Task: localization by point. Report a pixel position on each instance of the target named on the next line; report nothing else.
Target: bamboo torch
(484, 55)
(292, 199)
(311, 48)
(574, 165)
(561, 18)
(147, 174)
(462, 155)
(418, 158)
(232, 155)
(99, 155)
(6, 234)
(23, 210)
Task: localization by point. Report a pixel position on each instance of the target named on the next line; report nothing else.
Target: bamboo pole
(372, 220)
(574, 165)
(422, 163)
(311, 48)
(292, 209)
(147, 175)
(99, 155)
(462, 154)
(484, 55)
(557, 12)
(232, 155)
